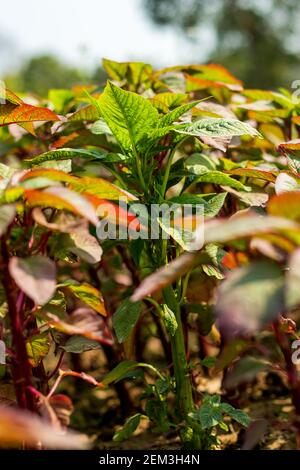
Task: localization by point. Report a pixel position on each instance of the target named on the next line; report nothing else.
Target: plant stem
(168, 167)
(184, 394)
(167, 172)
(21, 370)
(139, 169)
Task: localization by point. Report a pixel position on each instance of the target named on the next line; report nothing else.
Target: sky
(81, 32)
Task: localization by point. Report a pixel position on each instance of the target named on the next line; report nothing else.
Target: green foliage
(150, 138)
(125, 318)
(211, 413)
(128, 429)
(127, 114)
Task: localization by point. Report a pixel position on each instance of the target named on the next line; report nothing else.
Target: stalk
(169, 165)
(21, 370)
(184, 393)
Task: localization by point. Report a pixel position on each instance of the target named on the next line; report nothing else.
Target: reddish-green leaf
(286, 204)
(63, 199)
(88, 294)
(35, 276)
(10, 114)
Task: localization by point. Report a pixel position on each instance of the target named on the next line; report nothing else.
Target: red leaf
(10, 114)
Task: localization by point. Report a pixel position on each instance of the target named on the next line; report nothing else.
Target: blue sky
(84, 31)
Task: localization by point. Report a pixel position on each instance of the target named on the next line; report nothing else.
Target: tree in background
(41, 73)
(257, 41)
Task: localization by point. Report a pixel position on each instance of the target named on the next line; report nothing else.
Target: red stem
(21, 369)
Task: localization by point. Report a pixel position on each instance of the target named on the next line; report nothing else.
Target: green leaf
(208, 416)
(176, 113)
(249, 298)
(224, 426)
(122, 369)
(87, 293)
(116, 70)
(35, 276)
(101, 188)
(214, 205)
(127, 114)
(60, 165)
(79, 344)
(199, 163)
(59, 98)
(129, 427)
(236, 414)
(164, 101)
(218, 127)
(100, 127)
(212, 271)
(157, 412)
(119, 372)
(217, 177)
(64, 154)
(134, 72)
(86, 113)
(184, 238)
(125, 318)
(208, 361)
(37, 347)
(56, 306)
(211, 206)
(170, 320)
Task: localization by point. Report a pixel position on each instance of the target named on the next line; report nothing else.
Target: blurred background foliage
(39, 74)
(258, 41)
